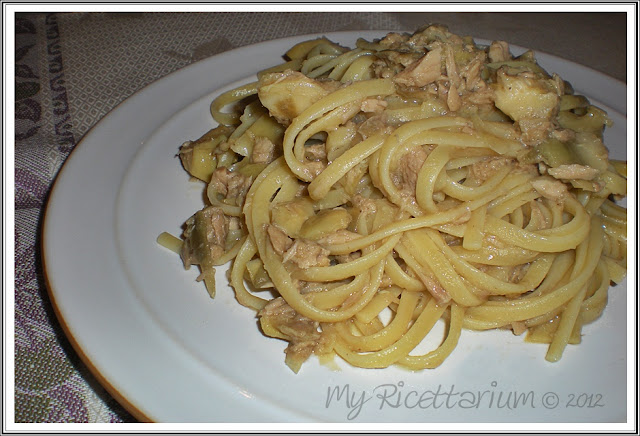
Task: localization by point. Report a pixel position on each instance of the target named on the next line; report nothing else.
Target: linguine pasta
(363, 195)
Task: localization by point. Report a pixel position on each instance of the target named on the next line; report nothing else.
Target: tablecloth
(73, 68)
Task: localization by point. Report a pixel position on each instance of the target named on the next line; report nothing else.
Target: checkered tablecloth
(73, 68)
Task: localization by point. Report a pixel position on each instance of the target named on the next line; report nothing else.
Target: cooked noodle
(363, 195)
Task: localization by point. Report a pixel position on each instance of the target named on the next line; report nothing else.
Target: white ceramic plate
(171, 354)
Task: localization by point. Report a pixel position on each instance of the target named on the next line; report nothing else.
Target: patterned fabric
(51, 383)
(73, 68)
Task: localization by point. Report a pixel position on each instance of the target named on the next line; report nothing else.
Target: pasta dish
(363, 195)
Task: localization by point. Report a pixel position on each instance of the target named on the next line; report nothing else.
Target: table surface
(73, 68)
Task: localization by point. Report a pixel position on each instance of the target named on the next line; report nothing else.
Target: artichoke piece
(324, 223)
(619, 166)
(291, 215)
(264, 126)
(518, 66)
(552, 152)
(522, 97)
(588, 149)
(286, 95)
(571, 101)
(199, 157)
(258, 275)
(594, 120)
(204, 242)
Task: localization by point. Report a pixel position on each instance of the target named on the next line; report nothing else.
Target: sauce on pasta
(363, 195)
